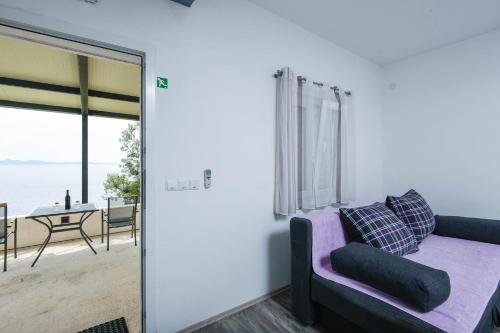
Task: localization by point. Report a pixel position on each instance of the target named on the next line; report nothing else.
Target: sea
(26, 187)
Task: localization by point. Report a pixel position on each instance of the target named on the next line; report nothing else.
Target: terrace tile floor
(70, 288)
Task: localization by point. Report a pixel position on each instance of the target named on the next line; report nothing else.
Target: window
(313, 145)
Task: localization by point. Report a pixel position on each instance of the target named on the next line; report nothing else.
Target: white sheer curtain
(324, 166)
(286, 169)
(313, 160)
(319, 114)
(347, 177)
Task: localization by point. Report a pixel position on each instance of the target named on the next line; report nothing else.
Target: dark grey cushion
(418, 285)
(481, 230)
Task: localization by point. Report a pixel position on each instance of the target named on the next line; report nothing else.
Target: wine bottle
(67, 201)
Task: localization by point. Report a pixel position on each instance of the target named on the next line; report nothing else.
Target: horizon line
(12, 161)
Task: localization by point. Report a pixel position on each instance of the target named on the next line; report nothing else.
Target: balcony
(70, 288)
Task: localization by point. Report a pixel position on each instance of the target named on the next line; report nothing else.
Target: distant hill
(38, 162)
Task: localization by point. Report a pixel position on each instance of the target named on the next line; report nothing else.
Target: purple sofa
(345, 305)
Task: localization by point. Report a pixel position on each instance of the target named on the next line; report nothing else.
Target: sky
(56, 137)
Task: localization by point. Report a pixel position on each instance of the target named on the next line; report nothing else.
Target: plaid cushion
(377, 226)
(412, 209)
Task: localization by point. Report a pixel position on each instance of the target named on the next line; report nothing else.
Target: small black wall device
(186, 3)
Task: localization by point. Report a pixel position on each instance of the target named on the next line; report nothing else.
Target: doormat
(114, 326)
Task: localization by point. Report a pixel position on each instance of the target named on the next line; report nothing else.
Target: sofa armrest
(481, 230)
(301, 265)
(420, 286)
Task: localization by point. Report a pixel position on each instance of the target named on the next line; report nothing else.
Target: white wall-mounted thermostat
(207, 178)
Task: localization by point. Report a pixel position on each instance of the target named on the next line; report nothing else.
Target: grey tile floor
(272, 315)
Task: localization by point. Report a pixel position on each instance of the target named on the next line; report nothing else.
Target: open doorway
(71, 193)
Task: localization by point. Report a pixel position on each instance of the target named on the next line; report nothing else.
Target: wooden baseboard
(232, 311)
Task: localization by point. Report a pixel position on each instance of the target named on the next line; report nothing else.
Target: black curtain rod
(319, 84)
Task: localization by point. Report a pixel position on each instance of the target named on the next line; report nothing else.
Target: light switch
(172, 185)
(183, 185)
(194, 184)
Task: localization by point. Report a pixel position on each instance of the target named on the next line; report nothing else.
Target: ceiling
(385, 31)
(34, 76)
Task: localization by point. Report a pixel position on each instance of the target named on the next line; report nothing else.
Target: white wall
(215, 249)
(441, 127)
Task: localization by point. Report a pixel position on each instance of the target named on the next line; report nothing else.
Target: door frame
(42, 25)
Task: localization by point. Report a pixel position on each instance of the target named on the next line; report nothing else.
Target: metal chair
(6, 229)
(121, 213)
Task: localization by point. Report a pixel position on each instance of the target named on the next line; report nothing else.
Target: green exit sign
(162, 82)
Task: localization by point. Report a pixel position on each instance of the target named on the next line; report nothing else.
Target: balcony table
(46, 213)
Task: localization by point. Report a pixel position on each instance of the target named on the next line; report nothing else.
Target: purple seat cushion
(377, 226)
(473, 267)
(414, 211)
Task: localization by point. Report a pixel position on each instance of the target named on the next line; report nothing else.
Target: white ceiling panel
(386, 31)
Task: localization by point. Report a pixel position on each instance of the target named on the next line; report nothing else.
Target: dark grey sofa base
(369, 313)
(491, 316)
(374, 315)
(343, 309)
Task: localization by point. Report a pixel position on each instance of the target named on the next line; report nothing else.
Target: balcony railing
(31, 233)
